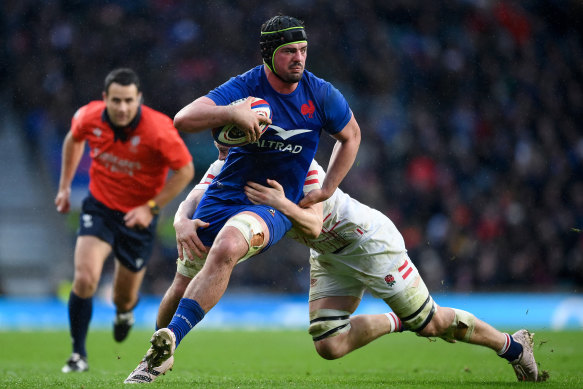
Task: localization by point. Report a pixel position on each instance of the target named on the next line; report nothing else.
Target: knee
(439, 324)
(123, 302)
(224, 252)
(327, 349)
(451, 325)
(85, 284)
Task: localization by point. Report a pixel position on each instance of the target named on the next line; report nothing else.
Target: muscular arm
(341, 160)
(307, 221)
(203, 114)
(71, 156)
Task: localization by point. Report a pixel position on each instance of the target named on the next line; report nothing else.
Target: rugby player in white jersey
(353, 248)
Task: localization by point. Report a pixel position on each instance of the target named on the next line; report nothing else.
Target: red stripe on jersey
(407, 273)
(327, 216)
(310, 182)
(206, 183)
(211, 176)
(312, 172)
(334, 226)
(404, 265)
(359, 231)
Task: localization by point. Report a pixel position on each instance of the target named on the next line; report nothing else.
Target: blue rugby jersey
(284, 152)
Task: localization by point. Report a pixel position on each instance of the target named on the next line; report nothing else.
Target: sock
(396, 325)
(80, 311)
(187, 315)
(511, 349)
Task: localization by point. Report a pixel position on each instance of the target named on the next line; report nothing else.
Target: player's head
(122, 95)
(284, 35)
(223, 151)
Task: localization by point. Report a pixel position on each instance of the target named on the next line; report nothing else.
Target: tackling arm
(186, 237)
(341, 160)
(307, 221)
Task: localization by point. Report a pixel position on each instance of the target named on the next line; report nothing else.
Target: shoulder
(314, 81)
(89, 111)
(237, 87)
(321, 88)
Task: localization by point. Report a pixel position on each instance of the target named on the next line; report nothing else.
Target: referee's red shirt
(126, 174)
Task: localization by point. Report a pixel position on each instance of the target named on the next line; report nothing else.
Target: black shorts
(131, 246)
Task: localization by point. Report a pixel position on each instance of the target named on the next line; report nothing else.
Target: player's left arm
(341, 160)
(306, 221)
(142, 216)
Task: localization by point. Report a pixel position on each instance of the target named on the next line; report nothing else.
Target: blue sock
(187, 315)
(80, 311)
(511, 349)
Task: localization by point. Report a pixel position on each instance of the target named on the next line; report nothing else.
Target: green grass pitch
(283, 359)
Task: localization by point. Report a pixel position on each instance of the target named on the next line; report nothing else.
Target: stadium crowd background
(470, 112)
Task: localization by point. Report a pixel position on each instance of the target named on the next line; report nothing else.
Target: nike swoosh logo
(283, 134)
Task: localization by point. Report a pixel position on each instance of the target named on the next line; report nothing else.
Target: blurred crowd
(468, 111)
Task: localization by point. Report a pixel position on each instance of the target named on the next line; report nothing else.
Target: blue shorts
(131, 246)
(217, 212)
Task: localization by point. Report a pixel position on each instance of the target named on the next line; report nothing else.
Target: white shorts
(389, 275)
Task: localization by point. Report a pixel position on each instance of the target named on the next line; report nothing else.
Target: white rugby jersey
(346, 220)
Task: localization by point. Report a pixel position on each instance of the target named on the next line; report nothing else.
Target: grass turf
(283, 359)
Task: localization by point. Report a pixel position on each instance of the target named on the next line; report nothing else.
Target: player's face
(290, 61)
(122, 102)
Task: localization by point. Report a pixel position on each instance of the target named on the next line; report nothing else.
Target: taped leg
(325, 323)
(187, 267)
(252, 231)
(461, 328)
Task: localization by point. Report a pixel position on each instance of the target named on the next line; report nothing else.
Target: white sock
(396, 325)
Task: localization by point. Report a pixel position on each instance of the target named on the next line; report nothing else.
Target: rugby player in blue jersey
(230, 228)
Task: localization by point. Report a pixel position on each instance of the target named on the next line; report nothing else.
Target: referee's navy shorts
(217, 212)
(131, 246)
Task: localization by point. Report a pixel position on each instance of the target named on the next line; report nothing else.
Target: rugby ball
(230, 135)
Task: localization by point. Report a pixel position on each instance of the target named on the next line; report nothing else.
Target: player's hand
(247, 120)
(261, 194)
(139, 217)
(62, 200)
(313, 197)
(187, 239)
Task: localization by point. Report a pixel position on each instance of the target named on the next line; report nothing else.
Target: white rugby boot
(144, 375)
(163, 346)
(525, 366)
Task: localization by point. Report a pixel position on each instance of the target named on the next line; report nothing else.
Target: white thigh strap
(249, 226)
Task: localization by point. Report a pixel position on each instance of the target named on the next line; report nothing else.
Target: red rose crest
(390, 280)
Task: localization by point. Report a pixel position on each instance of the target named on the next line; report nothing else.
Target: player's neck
(278, 84)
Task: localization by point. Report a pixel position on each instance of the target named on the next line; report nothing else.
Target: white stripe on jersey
(210, 174)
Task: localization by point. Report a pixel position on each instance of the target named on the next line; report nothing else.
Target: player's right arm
(203, 114)
(71, 156)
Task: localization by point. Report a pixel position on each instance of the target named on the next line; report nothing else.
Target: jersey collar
(122, 133)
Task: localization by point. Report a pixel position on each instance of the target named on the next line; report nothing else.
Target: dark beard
(291, 79)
